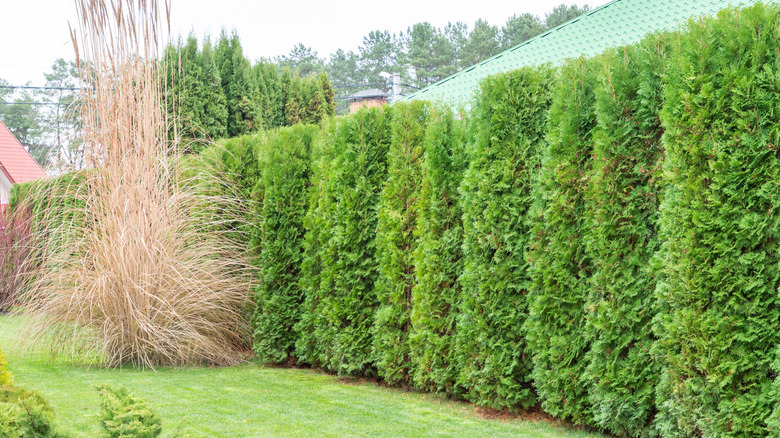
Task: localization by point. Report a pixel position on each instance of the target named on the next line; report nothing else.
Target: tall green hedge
(561, 264)
(397, 242)
(308, 347)
(624, 199)
(719, 325)
(286, 172)
(345, 301)
(511, 121)
(438, 258)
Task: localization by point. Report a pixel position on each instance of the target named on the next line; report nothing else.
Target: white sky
(34, 33)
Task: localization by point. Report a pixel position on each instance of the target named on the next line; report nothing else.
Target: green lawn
(251, 400)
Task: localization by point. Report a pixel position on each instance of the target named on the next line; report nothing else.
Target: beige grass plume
(146, 273)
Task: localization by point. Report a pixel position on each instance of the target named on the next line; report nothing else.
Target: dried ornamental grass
(149, 276)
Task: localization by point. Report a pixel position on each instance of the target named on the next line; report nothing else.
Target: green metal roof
(613, 24)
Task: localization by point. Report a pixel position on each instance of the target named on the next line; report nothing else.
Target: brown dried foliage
(150, 276)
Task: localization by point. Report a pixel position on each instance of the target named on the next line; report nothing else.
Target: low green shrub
(124, 415)
(6, 378)
(25, 414)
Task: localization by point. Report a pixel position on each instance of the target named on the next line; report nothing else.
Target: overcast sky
(35, 32)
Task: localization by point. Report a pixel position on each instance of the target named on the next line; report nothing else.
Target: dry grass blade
(142, 273)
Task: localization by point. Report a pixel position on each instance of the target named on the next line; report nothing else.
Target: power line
(36, 103)
(29, 87)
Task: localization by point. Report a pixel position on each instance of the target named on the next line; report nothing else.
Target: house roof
(15, 162)
(368, 94)
(614, 24)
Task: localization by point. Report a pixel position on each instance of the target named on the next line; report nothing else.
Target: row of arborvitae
(601, 238)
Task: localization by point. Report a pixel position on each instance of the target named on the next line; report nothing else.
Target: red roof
(15, 162)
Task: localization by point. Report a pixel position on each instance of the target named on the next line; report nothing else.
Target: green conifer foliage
(719, 325)
(286, 174)
(396, 242)
(561, 267)
(625, 188)
(510, 127)
(328, 93)
(438, 258)
(215, 113)
(309, 348)
(346, 299)
(239, 84)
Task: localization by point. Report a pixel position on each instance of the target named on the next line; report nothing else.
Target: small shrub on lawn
(123, 415)
(25, 414)
(6, 378)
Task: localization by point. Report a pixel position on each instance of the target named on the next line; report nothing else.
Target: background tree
(520, 28)
(302, 60)
(482, 44)
(429, 53)
(60, 121)
(239, 85)
(562, 13)
(380, 52)
(458, 34)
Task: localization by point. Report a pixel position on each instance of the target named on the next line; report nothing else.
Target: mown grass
(250, 400)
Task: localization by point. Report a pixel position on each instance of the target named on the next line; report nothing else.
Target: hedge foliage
(286, 169)
(718, 326)
(397, 242)
(438, 258)
(510, 121)
(599, 237)
(624, 198)
(561, 264)
(343, 299)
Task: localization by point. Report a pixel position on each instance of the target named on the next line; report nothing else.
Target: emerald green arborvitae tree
(346, 299)
(308, 347)
(286, 176)
(239, 83)
(719, 323)
(215, 112)
(438, 259)
(510, 127)
(396, 242)
(625, 187)
(561, 266)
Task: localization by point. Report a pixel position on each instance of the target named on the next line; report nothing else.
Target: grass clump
(138, 281)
